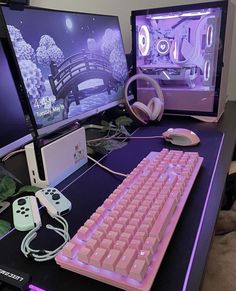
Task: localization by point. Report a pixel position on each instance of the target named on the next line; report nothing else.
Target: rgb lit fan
(144, 40)
(163, 47)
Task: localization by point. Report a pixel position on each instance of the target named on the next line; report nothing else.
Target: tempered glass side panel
(180, 50)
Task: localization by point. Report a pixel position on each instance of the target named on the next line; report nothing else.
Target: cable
(45, 255)
(12, 154)
(125, 137)
(106, 168)
(118, 137)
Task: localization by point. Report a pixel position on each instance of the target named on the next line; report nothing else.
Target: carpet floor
(220, 273)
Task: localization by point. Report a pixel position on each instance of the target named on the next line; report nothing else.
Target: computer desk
(183, 265)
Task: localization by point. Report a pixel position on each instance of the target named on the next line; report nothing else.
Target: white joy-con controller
(26, 213)
(55, 202)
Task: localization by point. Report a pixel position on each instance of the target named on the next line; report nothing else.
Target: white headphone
(155, 107)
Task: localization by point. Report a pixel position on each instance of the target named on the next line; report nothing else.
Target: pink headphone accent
(155, 107)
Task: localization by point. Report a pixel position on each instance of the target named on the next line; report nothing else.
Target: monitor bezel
(220, 61)
(43, 131)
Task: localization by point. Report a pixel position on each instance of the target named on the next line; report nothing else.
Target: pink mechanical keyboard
(125, 239)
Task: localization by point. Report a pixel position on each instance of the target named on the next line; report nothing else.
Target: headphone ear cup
(142, 111)
(155, 107)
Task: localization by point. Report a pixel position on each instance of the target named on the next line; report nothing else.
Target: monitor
(14, 131)
(73, 64)
(182, 48)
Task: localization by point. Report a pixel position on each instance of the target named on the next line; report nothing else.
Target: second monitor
(14, 131)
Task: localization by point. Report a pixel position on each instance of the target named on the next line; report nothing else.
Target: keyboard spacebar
(163, 219)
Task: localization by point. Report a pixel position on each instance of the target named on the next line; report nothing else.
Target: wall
(122, 8)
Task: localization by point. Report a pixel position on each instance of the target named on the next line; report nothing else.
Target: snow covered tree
(48, 51)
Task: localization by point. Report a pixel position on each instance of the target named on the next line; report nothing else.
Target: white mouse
(181, 137)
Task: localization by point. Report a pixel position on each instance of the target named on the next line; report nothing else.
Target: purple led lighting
(209, 37)
(175, 51)
(207, 68)
(35, 288)
(188, 14)
(166, 75)
(197, 238)
(165, 16)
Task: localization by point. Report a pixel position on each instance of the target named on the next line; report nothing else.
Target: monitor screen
(73, 64)
(13, 128)
(181, 47)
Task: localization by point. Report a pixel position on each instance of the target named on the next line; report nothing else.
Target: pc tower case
(186, 49)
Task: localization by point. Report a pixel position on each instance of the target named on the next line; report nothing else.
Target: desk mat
(90, 189)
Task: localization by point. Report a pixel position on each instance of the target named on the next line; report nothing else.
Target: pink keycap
(96, 217)
(118, 227)
(108, 203)
(132, 208)
(123, 220)
(115, 214)
(106, 243)
(163, 219)
(175, 193)
(138, 270)
(126, 261)
(92, 244)
(98, 235)
(144, 228)
(135, 244)
(84, 254)
(83, 233)
(151, 244)
(140, 235)
(120, 245)
(139, 215)
(101, 210)
(113, 235)
(90, 224)
(149, 220)
(134, 221)
(111, 259)
(97, 257)
(126, 237)
(127, 214)
(145, 255)
(69, 250)
(120, 208)
(130, 229)
(109, 220)
(104, 227)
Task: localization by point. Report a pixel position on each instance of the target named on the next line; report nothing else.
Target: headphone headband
(155, 86)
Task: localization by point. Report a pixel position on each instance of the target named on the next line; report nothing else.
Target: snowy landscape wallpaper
(72, 64)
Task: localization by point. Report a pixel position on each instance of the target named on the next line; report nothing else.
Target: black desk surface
(183, 264)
